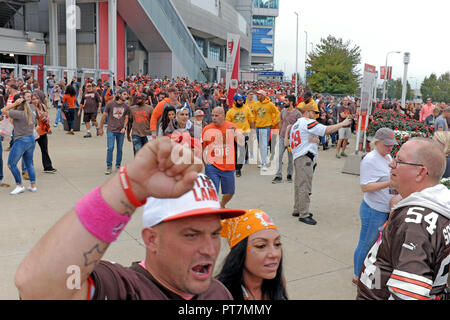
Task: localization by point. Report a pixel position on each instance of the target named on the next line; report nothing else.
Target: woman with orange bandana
(253, 268)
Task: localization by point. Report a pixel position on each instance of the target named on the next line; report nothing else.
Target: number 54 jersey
(410, 260)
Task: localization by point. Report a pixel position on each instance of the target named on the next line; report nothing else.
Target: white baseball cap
(202, 199)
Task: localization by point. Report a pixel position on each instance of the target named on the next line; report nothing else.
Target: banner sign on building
(232, 77)
(383, 72)
(262, 41)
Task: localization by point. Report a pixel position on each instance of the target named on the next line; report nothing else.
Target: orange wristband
(127, 188)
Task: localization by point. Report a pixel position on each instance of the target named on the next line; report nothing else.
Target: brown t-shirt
(116, 115)
(289, 118)
(140, 120)
(346, 110)
(115, 282)
(91, 101)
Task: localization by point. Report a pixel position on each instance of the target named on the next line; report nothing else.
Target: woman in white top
(375, 183)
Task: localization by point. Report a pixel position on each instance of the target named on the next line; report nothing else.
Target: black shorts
(90, 117)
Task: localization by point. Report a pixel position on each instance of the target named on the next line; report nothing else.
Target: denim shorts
(223, 178)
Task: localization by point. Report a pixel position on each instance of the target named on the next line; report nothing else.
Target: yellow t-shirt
(266, 114)
(241, 117)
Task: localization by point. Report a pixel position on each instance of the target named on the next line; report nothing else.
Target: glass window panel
(263, 21)
(266, 4)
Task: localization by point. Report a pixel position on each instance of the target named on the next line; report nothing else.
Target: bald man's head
(429, 153)
(218, 116)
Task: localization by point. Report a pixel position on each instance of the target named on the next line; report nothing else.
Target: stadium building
(163, 38)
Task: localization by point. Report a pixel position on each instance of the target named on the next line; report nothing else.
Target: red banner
(383, 72)
(234, 47)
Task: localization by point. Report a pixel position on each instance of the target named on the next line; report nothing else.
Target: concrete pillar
(112, 37)
(53, 33)
(71, 37)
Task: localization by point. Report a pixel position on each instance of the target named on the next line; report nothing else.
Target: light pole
(405, 78)
(385, 73)
(296, 60)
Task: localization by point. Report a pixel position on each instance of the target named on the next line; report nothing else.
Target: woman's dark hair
(165, 117)
(70, 90)
(232, 275)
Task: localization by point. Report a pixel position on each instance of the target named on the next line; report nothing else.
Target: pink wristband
(99, 218)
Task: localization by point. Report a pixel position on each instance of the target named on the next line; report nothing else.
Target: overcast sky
(421, 28)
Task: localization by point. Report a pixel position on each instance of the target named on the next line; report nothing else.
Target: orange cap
(239, 228)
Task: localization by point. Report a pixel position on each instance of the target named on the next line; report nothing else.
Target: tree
(394, 89)
(333, 67)
(436, 88)
(428, 84)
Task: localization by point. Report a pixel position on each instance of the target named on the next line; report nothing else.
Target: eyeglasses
(395, 162)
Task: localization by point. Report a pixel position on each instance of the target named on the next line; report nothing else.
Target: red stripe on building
(103, 58)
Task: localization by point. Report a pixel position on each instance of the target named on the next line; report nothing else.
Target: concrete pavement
(318, 260)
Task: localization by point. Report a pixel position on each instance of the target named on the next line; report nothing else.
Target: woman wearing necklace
(253, 268)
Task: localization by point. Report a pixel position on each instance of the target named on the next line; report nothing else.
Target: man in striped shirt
(411, 258)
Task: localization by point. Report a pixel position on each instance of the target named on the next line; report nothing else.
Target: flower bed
(404, 127)
(446, 182)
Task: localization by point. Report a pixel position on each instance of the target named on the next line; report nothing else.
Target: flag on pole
(232, 78)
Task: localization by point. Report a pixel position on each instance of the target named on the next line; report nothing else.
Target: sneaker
(55, 125)
(52, 170)
(25, 176)
(18, 190)
(338, 155)
(289, 178)
(264, 168)
(308, 220)
(108, 171)
(88, 135)
(277, 180)
(343, 154)
(32, 189)
(238, 173)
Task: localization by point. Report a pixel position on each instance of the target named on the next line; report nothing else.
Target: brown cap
(386, 135)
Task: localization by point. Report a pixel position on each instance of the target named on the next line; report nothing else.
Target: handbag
(65, 107)
(6, 127)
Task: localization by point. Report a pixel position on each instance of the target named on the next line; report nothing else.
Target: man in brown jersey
(410, 260)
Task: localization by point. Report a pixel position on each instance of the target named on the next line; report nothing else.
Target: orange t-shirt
(70, 100)
(220, 143)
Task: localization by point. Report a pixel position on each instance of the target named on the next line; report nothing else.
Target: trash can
(76, 122)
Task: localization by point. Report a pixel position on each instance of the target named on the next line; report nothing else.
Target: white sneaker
(17, 190)
(264, 168)
(32, 189)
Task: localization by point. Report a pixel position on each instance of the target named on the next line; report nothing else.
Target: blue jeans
(23, 147)
(371, 221)
(263, 134)
(333, 137)
(59, 116)
(111, 138)
(138, 143)
(223, 179)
